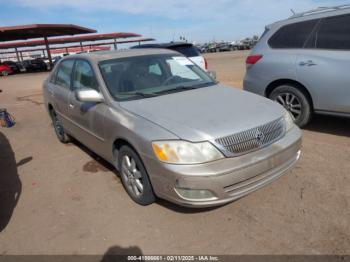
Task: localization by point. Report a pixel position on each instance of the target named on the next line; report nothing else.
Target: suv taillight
(205, 63)
(253, 59)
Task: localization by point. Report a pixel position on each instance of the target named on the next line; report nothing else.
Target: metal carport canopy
(72, 39)
(24, 32)
(139, 40)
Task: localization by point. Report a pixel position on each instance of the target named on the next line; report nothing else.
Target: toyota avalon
(170, 130)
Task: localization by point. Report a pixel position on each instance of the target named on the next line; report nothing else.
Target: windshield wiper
(146, 95)
(175, 89)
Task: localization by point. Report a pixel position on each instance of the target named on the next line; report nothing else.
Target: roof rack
(321, 10)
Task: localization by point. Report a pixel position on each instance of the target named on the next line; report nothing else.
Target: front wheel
(295, 102)
(134, 177)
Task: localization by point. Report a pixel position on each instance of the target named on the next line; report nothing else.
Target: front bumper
(228, 179)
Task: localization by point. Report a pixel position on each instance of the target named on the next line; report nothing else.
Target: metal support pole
(43, 53)
(48, 52)
(21, 54)
(17, 54)
(81, 47)
(115, 44)
(66, 50)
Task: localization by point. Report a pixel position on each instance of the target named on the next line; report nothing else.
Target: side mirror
(212, 74)
(88, 95)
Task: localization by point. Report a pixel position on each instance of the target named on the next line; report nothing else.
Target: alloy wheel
(291, 103)
(132, 176)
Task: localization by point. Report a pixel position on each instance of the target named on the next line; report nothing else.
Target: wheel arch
(273, 85)
(118, 144)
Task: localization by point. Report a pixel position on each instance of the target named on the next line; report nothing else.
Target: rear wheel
(134, 177)
(59, 130)
(295, 101)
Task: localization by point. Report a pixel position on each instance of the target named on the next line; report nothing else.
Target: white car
(187, 49)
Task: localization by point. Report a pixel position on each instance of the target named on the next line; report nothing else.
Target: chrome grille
(253, 139)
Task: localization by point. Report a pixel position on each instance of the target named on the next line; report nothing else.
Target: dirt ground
(62, 199)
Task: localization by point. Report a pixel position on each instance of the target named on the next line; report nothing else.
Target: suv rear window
(293, 35)
(334, 33)
(189, 51)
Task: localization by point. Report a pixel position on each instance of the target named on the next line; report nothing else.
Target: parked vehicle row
(33, 65)
(244, 44)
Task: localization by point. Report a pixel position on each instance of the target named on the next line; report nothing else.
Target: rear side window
(64, 72)
(188, 51)
(293, 35)
(334, 33)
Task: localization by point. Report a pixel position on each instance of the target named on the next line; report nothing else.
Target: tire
(134, 177)
(4, 73)
(295, 101)
(61, 134)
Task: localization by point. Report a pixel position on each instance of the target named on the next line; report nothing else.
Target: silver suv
(303, 63)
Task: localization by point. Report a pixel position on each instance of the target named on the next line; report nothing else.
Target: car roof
(318, 13)
(164, 45)
(114, 54)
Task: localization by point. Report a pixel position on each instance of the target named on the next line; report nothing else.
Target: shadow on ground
(332, 125)
(10, 184)
(117, 253)
(97, 163)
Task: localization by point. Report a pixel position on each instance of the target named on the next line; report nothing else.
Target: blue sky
(165, 20)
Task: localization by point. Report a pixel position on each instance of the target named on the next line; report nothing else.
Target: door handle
(307, 63)
(71, 106)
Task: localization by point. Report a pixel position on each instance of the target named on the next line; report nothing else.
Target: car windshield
(152, 75)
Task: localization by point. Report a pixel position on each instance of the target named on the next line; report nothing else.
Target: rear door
(88, 117)
(323, 65)
(59, 91)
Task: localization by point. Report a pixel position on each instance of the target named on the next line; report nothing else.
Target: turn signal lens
(164, 153)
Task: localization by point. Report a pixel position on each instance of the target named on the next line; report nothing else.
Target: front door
(88, 117)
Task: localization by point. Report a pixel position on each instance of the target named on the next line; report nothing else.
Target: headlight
(183, 152)
(288, 120)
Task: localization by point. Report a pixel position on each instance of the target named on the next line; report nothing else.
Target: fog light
(195, 194)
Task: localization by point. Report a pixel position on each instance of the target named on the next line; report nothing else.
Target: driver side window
(84, 77)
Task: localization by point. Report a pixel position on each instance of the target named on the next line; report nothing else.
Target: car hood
(206, 113)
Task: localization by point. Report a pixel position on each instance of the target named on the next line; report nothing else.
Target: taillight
(253, 59)
(205, 64)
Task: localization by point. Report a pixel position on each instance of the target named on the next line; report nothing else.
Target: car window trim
(319, 27)
(58, 68)
(305, 41)
(313, 33)
(93, 72)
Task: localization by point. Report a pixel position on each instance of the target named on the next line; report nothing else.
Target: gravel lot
(63, 199)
